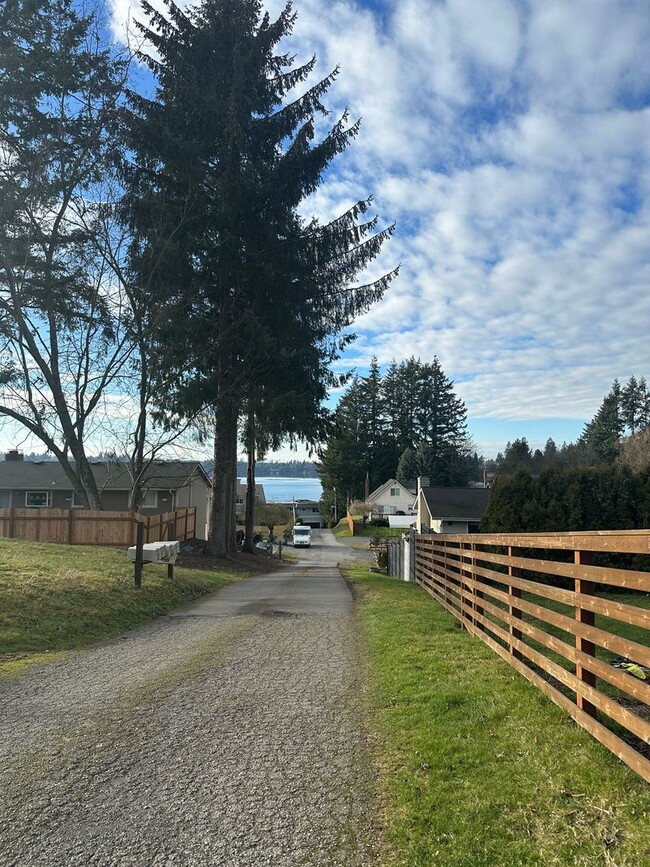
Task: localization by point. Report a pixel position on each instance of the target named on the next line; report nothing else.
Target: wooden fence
(86, 527)
(548, 605)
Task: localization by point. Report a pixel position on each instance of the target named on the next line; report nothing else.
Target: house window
(394, 492)
(149, 500)
(76, 501)
(37, 499)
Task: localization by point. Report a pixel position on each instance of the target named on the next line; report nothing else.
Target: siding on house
(392, 497)
(172, 483)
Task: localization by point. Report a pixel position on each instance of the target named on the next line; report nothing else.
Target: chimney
(423, 482)
(14, 455)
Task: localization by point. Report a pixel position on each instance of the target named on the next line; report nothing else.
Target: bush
(379, 522)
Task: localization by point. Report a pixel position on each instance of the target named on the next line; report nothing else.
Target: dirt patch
(193, 556)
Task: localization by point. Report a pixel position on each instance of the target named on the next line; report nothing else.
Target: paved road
(227, 733)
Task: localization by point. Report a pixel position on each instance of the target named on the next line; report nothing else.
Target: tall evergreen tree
(602, 435)
(635, 404)
(440, 425)
(222, 162)
(423, 430)
(342, 464)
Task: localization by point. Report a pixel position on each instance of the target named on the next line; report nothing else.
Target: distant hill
(287, 469)
(279, 469)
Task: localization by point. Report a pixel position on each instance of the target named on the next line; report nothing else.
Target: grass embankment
(55, 597)
(477, 766)
(342, 530)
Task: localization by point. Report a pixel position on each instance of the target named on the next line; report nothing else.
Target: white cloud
(510, 141)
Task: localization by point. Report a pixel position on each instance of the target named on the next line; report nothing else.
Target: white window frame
(45, 505)
(395, 492)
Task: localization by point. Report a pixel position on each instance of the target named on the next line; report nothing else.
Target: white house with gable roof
(393, 497)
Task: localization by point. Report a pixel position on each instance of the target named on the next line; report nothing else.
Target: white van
(301, 536)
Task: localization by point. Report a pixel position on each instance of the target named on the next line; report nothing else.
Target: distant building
(240, 496)
(305, 512)
(450, 510)
(393, 498)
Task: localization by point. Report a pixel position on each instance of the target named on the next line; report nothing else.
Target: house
(393, 498)
(168, 485)
(308, 512)
(450, 510)
(240, 496)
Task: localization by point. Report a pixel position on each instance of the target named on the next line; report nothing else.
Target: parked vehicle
(301, 536)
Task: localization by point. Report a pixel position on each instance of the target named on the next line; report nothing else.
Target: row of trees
(404, 424)
(581, 498)
(617, 433)
(153, 246)
(600, 482)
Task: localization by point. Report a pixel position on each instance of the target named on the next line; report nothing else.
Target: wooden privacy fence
(567, 611)
(86, 527)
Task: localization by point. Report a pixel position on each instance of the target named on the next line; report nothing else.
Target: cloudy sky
(509, 141)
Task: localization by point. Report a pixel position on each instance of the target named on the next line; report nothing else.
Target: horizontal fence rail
(87, 527)
(569, 611)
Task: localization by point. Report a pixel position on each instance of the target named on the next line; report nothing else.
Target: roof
(33, 475)
(466, 504)
(390, 484)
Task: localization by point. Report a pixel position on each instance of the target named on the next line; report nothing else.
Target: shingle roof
(467, 504)
(30, 475)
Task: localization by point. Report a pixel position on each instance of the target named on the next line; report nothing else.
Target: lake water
(284, 490)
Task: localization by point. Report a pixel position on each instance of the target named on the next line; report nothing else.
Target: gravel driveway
(227, 733)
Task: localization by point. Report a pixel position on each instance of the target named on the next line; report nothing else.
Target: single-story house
(450, 510)
(168, 485)
(393, 497)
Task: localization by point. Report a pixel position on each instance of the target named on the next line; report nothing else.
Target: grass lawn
(55, 597)
(477, 767)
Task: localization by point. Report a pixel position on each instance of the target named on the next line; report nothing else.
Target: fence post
(583, 615)
(70, 513)
(10, 531)
(465, 589)
(139, 541)
(478, 594)
(514, 593)
(443, 575)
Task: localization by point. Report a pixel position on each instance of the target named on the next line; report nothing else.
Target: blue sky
(509, 141)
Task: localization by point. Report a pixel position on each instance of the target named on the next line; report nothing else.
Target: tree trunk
(222, 517)
(250, 485)
(91, 490)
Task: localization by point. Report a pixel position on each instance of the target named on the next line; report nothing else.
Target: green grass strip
(478, 767)
(56, 597)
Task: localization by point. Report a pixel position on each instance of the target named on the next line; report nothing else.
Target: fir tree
(223, 161)
(602, 435)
